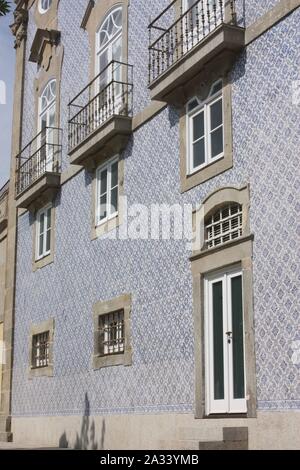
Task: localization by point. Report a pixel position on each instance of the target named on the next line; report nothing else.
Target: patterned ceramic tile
(266, 129)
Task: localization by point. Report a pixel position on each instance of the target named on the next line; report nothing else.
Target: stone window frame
(205, 261)
(124, 302)
(201, 87)
(98, 231)
(48, 325)
(48, 259)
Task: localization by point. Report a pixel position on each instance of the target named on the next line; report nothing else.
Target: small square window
(40, 350)
(111, 333)
(112, 337)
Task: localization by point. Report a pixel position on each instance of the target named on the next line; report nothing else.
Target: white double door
(224, 343)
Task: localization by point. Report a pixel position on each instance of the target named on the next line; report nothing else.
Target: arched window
(48, 106)
(109, 41)
(224, 225)
(46, 125)
(44, 5)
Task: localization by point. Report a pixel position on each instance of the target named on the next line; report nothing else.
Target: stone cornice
(43, 37)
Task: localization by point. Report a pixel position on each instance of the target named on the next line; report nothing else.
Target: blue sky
(7, 66)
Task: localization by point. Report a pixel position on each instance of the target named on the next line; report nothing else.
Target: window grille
(40, 350)
(224, 225)
(111, 333)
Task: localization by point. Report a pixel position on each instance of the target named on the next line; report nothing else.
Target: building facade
(133, 329)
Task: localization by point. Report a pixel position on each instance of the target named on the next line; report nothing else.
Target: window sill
(205, 173)
(124, 359)
(106, 227)
(206, 165)
(42, 372)
(41, 263)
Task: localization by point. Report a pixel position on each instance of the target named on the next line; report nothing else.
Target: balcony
(3, 207)
(39, 169)
(182, 42)
(100, 116)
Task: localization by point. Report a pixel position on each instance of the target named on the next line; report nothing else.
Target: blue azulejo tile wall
(266, 130)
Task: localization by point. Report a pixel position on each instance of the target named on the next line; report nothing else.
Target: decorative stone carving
(42, 47)
(19, 27)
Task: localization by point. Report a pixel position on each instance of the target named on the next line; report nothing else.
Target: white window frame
(43, 10)
(109, 45)
(110, 215)
(204, 107)
(45, 252)
(228, 405)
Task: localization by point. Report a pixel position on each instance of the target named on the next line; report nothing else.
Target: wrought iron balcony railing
(170, 41)
(108, 94)
(41, 156)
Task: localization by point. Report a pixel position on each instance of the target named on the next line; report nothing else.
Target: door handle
(229, 336)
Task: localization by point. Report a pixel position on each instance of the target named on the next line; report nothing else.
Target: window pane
(217, 142)
(216, 114)
(49, 218)
(103, 182)
(218, 341)
(238, 337)
(42, 223)
(198, 153)
(114, 175)
(103, 62)
(48, 240)
(41, 245)
(114, 200)
(198, 126)
(103, 207)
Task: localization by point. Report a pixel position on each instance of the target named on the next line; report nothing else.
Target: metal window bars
(111, 333)
(170, 40)
(42, 155)
(224, 225)
(109, 94)
(40, 350)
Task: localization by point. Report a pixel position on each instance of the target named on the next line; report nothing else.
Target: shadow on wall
(86, 440)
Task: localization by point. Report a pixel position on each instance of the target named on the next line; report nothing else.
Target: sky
(7, 66)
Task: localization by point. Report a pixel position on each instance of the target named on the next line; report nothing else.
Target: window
(44, 5)
(109, 43)
(224, 225)
(205, 129)
(107, 191)
(43, 233)
(40, 350)
(111, 333)
(108, 64)
(112, 341)
(46, 125)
